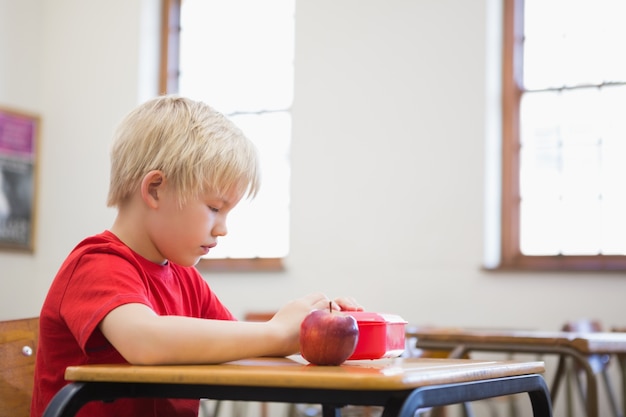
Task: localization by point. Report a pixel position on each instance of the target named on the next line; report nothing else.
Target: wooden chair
(599, 364)
(18, 344)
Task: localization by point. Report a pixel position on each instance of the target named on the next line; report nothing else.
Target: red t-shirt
(100, 274)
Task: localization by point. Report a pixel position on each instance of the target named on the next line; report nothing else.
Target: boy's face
(184, 234)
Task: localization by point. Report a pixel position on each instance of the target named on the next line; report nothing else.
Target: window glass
(565, 134)
(237, 56)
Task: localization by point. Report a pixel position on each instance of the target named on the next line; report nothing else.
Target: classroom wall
(81, 66)
(395, 124)
(389, 157)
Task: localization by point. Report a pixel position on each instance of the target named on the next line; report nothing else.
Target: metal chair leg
(611, 394)
(615, 411)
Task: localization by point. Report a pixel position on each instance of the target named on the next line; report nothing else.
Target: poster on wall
(18, 166)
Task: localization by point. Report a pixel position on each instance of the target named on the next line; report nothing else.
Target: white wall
(389, 157)
(77, 64)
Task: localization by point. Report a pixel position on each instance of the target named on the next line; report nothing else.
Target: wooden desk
(401, 386)
(576, 346)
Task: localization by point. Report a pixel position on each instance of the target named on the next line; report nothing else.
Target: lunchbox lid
(370, 317)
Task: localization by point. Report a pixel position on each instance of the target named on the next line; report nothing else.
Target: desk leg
(433, 396)
(558, 377)
(65, 402)
(458, 352)
(330, 411)
(621, 359)
(592, 385)
(591, 400)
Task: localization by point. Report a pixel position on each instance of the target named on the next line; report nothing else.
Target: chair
(598, 363)
(18, 343)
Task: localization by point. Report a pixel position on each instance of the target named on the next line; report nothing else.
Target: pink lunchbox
(380, 335)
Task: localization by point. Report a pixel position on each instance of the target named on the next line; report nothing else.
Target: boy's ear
(151, 187)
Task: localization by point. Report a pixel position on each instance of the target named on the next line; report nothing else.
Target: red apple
(328, 337)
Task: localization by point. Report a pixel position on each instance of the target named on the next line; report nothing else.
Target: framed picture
(18, 168)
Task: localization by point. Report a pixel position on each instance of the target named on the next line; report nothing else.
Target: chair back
(18, 345)
(598, 362)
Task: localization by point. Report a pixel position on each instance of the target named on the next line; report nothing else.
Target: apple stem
(330, 306)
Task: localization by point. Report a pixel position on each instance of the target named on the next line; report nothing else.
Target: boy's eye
(214, 209)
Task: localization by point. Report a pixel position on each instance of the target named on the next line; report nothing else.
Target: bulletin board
(19, 133)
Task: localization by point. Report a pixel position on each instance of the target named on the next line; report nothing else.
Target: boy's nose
(220, 229)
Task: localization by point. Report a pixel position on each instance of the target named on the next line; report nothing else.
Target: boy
(131, 293)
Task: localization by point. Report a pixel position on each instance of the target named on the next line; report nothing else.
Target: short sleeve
(98, 284)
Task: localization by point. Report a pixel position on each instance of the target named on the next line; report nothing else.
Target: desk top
(586, 343)
(384, 374)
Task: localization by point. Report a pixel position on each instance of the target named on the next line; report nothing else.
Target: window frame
(169, 71)
(511, 257)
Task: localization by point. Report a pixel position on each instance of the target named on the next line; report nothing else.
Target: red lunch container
(380, 335)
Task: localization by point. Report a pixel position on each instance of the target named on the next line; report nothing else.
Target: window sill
(241, 265)
(592, 263)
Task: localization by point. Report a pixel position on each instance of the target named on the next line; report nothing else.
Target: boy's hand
(290, 317)
(348, 304)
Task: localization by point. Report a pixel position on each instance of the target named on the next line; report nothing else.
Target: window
(237, 56)
(564, 135)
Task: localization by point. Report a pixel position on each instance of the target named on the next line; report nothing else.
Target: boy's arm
(144, 338)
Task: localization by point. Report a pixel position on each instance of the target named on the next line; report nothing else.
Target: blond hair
(196, 148)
